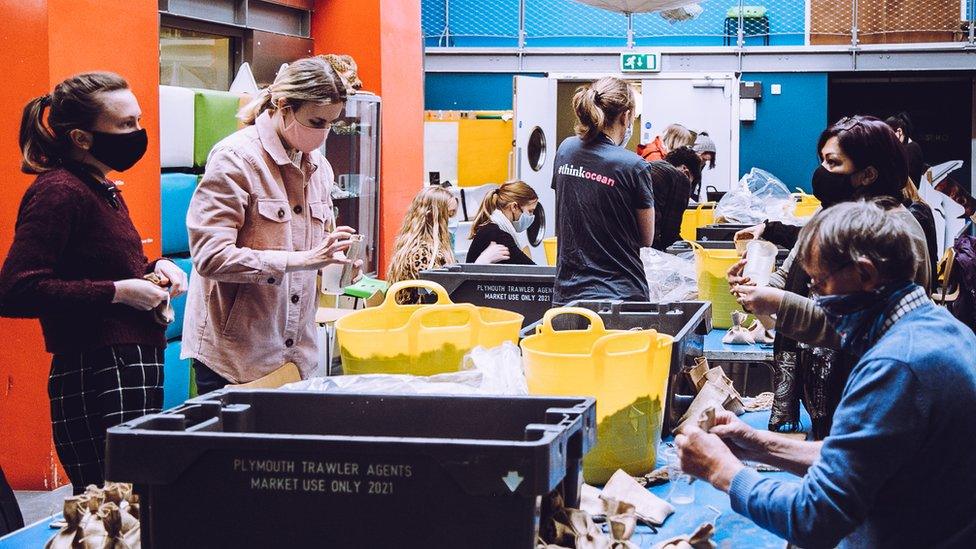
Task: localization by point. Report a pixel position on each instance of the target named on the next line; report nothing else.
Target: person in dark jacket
(901, 123)
(77, 264)
(672, 180)
(504, 216)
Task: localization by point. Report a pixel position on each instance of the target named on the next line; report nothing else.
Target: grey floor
(38, 505)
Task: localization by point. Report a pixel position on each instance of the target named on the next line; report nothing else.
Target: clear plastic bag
(495, 371)
(669, 277)
(758, 196)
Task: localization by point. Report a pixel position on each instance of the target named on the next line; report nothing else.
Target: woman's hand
(329, 252)
(494, 253)
(139, 294)
(171, 277)
(759, 300)
(750, 233)
(734, 275)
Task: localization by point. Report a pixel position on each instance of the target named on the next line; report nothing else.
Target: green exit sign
(640, 62)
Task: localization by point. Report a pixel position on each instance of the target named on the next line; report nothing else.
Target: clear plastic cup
(682, 490)
(760, 261)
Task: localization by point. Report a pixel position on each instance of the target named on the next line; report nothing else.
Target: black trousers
(95, 390)
(207, 379)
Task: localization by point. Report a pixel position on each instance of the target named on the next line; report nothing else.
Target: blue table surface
(713, 342)
(732, 529)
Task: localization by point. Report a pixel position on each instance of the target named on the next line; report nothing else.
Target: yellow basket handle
(443, 298)
(596, 323)
(695, 246)
(703, 205)
(601, 357)
(415, 324)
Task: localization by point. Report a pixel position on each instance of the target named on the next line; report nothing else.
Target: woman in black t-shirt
(499, 228)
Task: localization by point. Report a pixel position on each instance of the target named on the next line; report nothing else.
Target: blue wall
(468, 91)
(783, 139)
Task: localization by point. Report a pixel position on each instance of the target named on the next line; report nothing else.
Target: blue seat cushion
(175, 330)
(176, 376)
(176, 190)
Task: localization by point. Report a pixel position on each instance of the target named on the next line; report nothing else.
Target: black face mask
(119, 151)
(832, 188)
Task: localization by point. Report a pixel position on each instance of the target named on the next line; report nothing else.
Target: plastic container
(699, 216)
(683, 247)
(687, 322)
(523, 289)
(296, 469)
(806, 204)
(627, 372)
(549, 246)
(719, 231)
(712, 265)
(419, 339)
(760, 261)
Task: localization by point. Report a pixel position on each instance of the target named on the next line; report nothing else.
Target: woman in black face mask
(77, 264)
(861, 158)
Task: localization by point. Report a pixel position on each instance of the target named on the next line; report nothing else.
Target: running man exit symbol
(640, 62)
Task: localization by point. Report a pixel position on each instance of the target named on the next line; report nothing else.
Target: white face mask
(628, 133)
(523, 223)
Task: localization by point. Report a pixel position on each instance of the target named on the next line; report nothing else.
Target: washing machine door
(535, 149)
(537, 230)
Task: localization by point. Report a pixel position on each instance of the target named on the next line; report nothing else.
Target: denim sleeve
(881, 410)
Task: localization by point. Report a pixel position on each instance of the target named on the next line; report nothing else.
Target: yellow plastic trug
(549, 246)
(627, 372)
(420, 339)
(693, 218)
(806, 204)
(712, 265)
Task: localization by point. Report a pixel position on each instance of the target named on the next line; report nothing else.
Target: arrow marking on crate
(513, 480)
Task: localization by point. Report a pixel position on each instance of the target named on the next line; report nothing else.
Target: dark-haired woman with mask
(261, 226)
(604, 200)
(77, 264)
(861, 158)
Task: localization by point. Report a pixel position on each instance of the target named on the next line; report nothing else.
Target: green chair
(755, 22)
(215, 117)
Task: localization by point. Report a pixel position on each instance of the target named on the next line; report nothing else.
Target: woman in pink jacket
(261, 226)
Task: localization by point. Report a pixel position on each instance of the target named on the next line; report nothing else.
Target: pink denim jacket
(245, 316)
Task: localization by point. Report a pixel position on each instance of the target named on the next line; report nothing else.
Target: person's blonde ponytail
(37, 145)
(598, 105)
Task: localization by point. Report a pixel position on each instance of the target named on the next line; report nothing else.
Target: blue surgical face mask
(523, 223)
(857, 316)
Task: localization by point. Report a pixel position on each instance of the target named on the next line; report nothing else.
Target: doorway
(940, 105)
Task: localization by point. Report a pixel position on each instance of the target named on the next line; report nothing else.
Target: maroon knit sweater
(73, 238)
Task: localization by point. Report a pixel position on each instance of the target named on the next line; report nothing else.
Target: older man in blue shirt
(899, 466)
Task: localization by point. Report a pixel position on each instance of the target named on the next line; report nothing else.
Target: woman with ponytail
(261, 226)
(505, 214)
(604, 201)
(77, 264)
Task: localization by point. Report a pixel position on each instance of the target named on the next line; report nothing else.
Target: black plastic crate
(687, 321)
(719, 231)
(302, 469)
(523, 289)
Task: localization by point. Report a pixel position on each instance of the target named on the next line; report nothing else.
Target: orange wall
(43, 42)
(384, 37)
